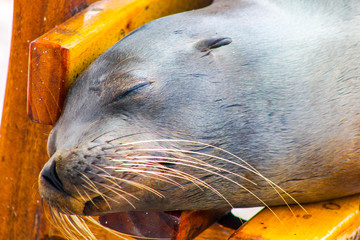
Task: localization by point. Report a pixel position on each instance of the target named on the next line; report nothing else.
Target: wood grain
(335, 219)
(23, 143)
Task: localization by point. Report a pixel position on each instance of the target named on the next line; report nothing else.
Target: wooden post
(22, 142)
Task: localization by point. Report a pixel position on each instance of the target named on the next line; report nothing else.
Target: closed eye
(132, 90)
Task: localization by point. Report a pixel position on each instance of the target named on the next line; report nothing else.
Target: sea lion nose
(50, 176)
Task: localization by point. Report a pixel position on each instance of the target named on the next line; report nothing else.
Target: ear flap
(211, 43)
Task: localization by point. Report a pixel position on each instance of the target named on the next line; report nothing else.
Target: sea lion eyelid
(132, 89)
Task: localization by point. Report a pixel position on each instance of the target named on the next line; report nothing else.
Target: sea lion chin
(233, 105)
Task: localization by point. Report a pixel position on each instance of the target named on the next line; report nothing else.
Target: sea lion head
(184, 115)
(122, 143)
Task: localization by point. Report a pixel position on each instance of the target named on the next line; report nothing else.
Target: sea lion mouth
(138, 224)
(164, 225)
(168, 224)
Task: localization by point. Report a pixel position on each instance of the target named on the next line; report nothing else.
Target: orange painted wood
(336, 219)
(195, 222)
(215, 232)
(23, 143)
(60, 55)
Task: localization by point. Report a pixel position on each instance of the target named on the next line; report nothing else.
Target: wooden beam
(23, 143)
(335, 219)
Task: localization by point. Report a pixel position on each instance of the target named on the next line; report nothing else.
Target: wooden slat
(215, 232)
(60, 55)
(336, 219)
(195, 222)
(23, 143)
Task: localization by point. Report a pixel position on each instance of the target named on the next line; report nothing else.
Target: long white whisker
(139, 185)
(249, 168)
(140, 171)
(115, 190)
(116, 185)
(80, 195)
(93, 188)
(176, 161)
(196, 167)
(157, 175)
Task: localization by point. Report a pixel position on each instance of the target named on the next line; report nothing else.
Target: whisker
(71, 225)
(114, 190)
(189, 152)
(249, 168)
(116, 185)
(90, 198)
(201, 182)
(139, 185)
(204, 169)
(93, 187)
(79, 226)
(151, 167)
(246, 189)
(80, 195)
(197, 162)
(102, 195)
(157, 175)
(141, 171)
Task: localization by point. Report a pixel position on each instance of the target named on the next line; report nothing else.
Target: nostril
(50, 175)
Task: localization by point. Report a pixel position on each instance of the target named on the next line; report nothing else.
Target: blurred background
(6, 12)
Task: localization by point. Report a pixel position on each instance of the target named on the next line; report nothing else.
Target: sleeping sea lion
(242, 103)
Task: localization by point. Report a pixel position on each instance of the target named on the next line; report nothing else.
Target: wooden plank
(23, 143)
(335, 219)
(215, 232)
(60, 55)
(195, 222)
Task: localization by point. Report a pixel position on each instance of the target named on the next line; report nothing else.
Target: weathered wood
(23, 143)
(195, 222)
(336, 219)
(60, 55)
(215, 232)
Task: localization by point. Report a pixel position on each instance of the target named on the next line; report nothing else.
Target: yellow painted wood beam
(335, 219)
